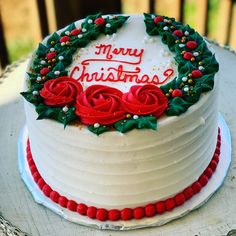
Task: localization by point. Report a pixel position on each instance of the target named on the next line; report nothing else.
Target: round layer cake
(124, 114)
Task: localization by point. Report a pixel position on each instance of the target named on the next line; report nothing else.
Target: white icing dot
(196, 54)
(184, 79)
(90, 21)
(39, 78)
(65, 109)
(186, 33)
(201, 68)
(96, 125)
(165, 20)
(57, 72)
(63, 44)
(186, 89)
(67, 33)
(60, 58)
(80, 36)
(135, 117)
(153, 16)
(181, 45)
(52, 49)
(35, 93)
(84, 30)
(42, 62)
(165, 28)
(108, 25)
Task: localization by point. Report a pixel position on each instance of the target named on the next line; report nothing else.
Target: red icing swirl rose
(100, 104)
(144, 100)
(61, 91)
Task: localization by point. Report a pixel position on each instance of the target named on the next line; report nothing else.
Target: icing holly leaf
(142, 122)
(57, 71)
(42, 50)
(52, 39)
(98, 130)
(206, 83)
(113, 23)
(177, 106)
(31, 97)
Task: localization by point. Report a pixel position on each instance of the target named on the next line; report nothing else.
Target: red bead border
(125, 214)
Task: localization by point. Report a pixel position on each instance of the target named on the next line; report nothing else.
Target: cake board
(195, 202)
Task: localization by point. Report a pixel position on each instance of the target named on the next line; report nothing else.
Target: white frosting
(116, 170)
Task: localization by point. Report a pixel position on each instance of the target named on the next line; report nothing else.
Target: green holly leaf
(42, 50)
(34, 99)
(177, 106)
(66, 117)
(46, 111)
(151, 27)
(169, 39)
(116, 22)
(206, 82)
(68, 28)
(142, 122)
(171, 85)
(210, 64)
(53, 37)
(99, 130)
(58, 68)
(185, 67)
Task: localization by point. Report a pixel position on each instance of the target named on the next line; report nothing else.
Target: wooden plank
(43, 17)
(229, 27)
(152, 6)
(232, 41)
(135, 6)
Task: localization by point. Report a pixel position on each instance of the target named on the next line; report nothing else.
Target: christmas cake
(122, 116)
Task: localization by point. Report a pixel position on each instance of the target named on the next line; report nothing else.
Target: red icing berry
(82, 209)
(196, 187)
(160, 207)
(62, 201)
(178, 33)
(102, 214)
(170, 204)
(213, 165)
(41, 183)
(179, 199)
(71, 205)
(139, 213)
(114, 214)
(187, 55)
(177, 93)
(196, 73)
(33, 169)
(216, 158)
(126, 214)
(203, 180)
(188, 193)
(64, 39)
(44, 71)
(150, 210)
(191, 44)
(208, 172)
(158, 19)
(75, 32)
(54, 196)
(99, 21)
(51, 55)
(36, 176)
(47, 190)
(91, 212)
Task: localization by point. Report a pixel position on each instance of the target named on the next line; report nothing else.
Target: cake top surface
(119, 72)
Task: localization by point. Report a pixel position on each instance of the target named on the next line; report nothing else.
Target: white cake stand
(195, 202)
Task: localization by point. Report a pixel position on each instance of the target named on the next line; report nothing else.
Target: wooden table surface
(216, 218)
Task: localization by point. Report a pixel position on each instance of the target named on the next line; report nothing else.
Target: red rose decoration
(61, 91)
(100, 104)
(144, 100)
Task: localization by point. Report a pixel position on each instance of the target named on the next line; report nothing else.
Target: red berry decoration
(158, 19)
(62, 201)
(36, 176)
(139, 213)
(188, 55)
(150, 210)
(99, 21)
(177, 93)
(170, 204)
(114, 215)
(47, 190)
(54, 196)
(64, 39)
(44, 71)
(102, 214)
(188, 193)
(191, 44)
(160, 207)
(196, 187)
(51, 55)
(196, 73)
(82, 209)
(178, 33)
(91, 212)
(126, 214)
(179, 199)
(203, 180)
(41, 183)
(213, 165)
(71, 205)
(75, 32)
(208, 172)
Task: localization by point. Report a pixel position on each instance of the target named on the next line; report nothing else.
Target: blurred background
(24, 23)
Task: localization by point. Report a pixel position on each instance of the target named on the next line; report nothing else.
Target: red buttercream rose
(144, 100)
(100, 104)
(61, 91)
